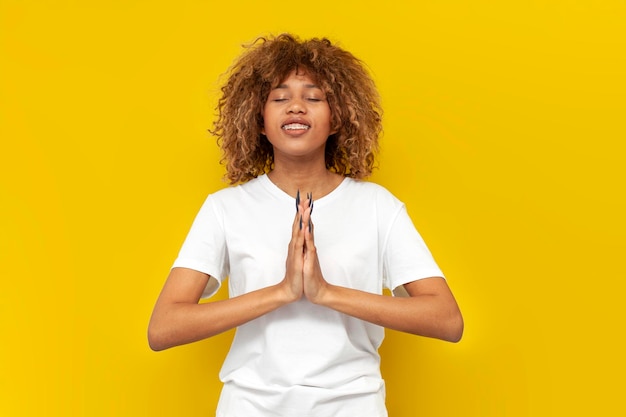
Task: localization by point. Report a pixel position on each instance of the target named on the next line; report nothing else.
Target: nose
(296, 106)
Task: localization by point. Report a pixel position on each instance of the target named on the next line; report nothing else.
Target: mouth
(295, 126)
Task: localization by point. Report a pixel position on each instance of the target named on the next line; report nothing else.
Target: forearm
(178, 323)
(430, 315)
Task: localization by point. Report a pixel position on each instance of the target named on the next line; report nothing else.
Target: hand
(314, 282)
(293, 281)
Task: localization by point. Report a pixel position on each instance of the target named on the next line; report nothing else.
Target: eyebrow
(280, 86)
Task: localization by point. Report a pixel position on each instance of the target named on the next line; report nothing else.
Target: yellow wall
(504, 134)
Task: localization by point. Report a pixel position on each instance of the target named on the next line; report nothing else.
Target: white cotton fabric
(303, 359)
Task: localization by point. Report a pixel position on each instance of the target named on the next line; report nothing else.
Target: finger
(301, 206)
(297, 233)
(295, 227)
(298, 200)
(308, 228)
(309, 211)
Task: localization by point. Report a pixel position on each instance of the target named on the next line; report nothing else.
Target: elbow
(156, 338)
(454, 329)
(154, 342)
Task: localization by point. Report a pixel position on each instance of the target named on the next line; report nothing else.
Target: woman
(299, 121)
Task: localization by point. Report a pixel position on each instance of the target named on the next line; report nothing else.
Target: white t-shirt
(303, 359)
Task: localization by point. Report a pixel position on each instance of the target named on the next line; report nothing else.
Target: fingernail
(311, 203)
(310, 226)
(300, 222)
(297, 199)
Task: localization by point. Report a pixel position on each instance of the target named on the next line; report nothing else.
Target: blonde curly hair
(356, 115)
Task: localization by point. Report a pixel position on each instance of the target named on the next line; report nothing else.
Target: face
(297, 118)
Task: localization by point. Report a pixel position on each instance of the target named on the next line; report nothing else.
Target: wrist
(286, 293)
(324, 295)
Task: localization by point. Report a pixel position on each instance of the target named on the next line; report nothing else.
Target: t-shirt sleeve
(406, 257)
(204, 248)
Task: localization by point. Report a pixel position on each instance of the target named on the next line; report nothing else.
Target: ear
(334, 130)
(335, 126)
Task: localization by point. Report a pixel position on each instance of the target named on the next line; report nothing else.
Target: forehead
(300, 76)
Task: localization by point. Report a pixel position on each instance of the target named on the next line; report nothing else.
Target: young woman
(307, 244)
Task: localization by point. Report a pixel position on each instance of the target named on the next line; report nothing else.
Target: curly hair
(356, 115)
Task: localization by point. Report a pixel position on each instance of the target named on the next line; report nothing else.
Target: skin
(178, 318)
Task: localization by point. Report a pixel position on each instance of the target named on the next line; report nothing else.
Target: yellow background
(504, 135)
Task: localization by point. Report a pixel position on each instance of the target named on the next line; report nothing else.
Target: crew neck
(279, 193)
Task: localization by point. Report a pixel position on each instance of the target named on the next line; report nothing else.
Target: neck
(315, 179)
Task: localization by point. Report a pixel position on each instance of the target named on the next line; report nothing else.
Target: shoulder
(235, 200)
(371, 191)
(235, 192)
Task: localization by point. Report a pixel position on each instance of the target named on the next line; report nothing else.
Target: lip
(295, 120)
(297, 127)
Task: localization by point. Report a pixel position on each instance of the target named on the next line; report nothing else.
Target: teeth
(295, 126)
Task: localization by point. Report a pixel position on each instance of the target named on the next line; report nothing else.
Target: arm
(178, 319)
(430, 310)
